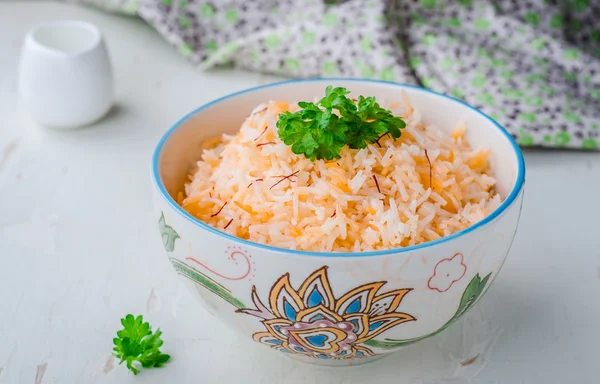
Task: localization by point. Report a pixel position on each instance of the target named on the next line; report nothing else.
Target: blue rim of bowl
(496, 213)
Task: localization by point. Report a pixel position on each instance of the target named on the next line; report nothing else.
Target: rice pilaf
(394, 193)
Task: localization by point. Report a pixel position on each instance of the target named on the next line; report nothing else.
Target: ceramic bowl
(334, 308)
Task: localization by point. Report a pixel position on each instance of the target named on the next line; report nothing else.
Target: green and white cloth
(533, 65)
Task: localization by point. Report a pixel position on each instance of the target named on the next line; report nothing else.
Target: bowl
(335, 308)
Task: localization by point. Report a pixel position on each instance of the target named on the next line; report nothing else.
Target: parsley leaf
(318, 133)
(137, 345)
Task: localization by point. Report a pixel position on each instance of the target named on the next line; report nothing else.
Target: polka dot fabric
(532, 65)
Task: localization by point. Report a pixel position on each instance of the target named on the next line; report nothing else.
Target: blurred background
(532, 65)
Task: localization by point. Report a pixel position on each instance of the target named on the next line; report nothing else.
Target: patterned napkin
(532, 65)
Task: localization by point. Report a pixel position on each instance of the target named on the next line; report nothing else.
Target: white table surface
(79, 248)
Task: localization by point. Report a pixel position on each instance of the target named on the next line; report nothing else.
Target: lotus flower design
(312, 321)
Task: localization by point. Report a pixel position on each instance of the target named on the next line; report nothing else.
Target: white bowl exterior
(442, 281)
(482, 252)
(62, 89)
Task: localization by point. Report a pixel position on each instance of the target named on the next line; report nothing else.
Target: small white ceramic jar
(65, 75)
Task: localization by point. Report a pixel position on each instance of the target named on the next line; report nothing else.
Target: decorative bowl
(335, 308)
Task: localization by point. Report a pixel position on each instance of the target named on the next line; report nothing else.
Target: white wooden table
(79, 248)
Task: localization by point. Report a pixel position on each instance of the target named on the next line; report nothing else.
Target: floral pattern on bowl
(311, 321)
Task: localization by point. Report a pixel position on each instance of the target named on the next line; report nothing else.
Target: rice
(421, 187)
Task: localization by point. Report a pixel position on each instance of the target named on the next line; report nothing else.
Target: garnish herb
(262, 133)
(288, 177)
(138, 346)
(259, 111)
(376, 184)
(316, 132)
(379, 138)
(219, 211)
(429, 162)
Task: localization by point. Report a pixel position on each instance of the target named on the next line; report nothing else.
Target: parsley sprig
(137, 345)
(316, 132)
